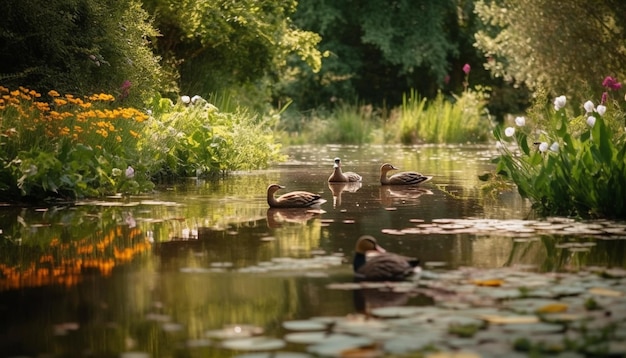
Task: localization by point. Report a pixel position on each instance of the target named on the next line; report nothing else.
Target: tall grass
(462, 119)
(347, 124)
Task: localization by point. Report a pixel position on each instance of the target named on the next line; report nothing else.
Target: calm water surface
(154, 274)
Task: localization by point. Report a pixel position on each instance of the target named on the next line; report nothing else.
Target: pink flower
(467, 68)
(611, 83)
(605, 97)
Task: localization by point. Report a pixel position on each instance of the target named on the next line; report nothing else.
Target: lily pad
(260, 343)
(304, 325)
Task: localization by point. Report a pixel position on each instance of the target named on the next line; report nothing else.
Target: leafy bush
(194, 138)
(72, 147)
(569, 167)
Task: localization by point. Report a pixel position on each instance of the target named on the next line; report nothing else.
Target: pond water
(175, 273)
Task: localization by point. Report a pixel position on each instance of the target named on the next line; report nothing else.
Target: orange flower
(53, 93)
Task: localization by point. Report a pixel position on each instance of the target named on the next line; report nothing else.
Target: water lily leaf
(396, 311)
(304, 325)
(498, 319)
(600, 291)
(254, 343)
(274, 355)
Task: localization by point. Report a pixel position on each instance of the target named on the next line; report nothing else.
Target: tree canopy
(563, 46)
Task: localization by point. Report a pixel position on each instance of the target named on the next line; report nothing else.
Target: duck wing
(299, 199)
(387, 267)
(408, 178)
(353, 177)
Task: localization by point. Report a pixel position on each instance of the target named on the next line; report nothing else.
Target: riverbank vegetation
(287, 72)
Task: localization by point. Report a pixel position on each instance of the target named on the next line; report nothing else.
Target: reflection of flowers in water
(64, 263)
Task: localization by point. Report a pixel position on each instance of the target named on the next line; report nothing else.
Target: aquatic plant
(195, 138)
(569, 166)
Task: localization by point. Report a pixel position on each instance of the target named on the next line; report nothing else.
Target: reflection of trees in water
(553, 253)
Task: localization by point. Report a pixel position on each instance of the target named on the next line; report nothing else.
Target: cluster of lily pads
(476, 312)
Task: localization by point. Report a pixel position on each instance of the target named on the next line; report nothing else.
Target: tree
(566, 47)
(79, 47)
(377, 49)
(218, 45)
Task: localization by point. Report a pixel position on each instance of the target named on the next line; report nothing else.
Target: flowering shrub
(194, 138)
(570, 167)
(68, 147)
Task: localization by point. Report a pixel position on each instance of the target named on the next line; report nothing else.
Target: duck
(383, 266)
(341, 177)
(294, 199)
(402, 178)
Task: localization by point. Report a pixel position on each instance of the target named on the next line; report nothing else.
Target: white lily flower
(195, 99)
(555, 147)
(601, 109)
(543, 147)
(559, 102)
(185, 99)
(520, 121)
(588, 106)
(591, 121)
(509, 131)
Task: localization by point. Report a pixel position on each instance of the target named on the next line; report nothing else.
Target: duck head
(367, 243)
(387, 167)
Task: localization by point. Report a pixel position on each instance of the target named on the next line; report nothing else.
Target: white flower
(591, 120)
(588, 106)
(543, 147)
(185, 99)
(509, 131)
(555, 147)
(520, 121)
(559, 102)
(130, 172)
(195, 99)
(601, 109)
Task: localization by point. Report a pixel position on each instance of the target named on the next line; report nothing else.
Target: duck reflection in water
(389, 195)
(276, 217)
(338, 188)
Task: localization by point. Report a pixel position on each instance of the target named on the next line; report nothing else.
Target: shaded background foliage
(270, 53)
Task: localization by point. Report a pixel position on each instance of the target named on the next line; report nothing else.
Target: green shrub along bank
(569, 165)
(66, 147)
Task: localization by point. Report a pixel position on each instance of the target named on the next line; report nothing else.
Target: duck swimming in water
(341, 177)
(294, 199)
(383, 266)
(403, 178)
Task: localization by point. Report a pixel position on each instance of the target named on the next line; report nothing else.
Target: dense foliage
(80, 47)
(569, 166)
(218, 45)
(75, 147)
(563, 46)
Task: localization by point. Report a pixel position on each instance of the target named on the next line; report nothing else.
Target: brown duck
(294, 199)
(383, 266)
(339, 176)
(403, 178)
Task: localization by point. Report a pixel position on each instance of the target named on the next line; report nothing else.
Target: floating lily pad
(254, 343)
(304, 325)
(335, 345)
(274, 355)
(396, 311)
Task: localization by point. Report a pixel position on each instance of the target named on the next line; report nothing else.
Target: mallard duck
(382, 266)
(294, 199)
(403, 178)
(341, 177)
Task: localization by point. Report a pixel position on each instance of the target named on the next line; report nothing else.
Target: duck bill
(380, 249)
